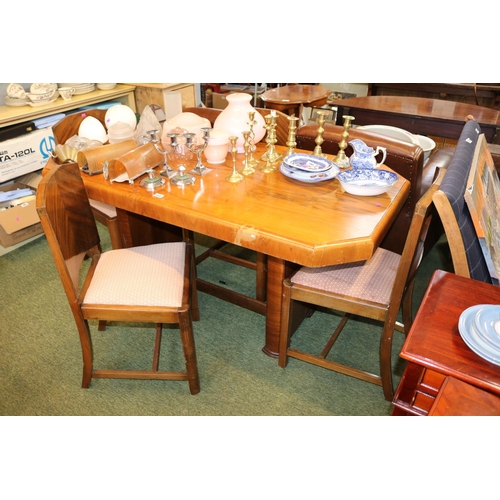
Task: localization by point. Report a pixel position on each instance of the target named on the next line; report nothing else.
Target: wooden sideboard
(480, 94)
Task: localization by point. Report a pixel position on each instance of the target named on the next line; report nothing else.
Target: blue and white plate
(487, 325)
(367, 182)
(309, 163)
(473, 340)
(303, 176)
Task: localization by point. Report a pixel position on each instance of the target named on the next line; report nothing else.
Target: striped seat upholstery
(454, 185)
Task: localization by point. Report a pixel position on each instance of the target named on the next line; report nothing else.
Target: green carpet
(41, 364)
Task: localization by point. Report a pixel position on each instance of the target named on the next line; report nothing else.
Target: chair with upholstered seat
(147, 284)
(376, 289)
(467, 255)
(103, 213)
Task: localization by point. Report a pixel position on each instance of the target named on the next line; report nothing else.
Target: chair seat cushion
(151, 275)
(370, 280)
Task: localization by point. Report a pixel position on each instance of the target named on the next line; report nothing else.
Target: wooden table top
(423, 107)
(434, 340)
(288, 95)
(309, 224)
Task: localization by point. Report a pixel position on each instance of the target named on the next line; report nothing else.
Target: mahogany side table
(434, 348)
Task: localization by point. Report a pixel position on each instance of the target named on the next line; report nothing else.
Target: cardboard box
(26, 153)
(219, 101)
(21, 221)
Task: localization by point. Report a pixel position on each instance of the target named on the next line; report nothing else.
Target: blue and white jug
(364, 156)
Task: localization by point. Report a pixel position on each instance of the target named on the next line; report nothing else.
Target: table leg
(277, 271)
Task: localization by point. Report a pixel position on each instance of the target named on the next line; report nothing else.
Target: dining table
(419, 115)
(293, 223)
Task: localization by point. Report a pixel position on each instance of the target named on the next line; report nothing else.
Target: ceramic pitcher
(364, 156)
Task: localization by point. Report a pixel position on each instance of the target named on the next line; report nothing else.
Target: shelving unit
(12, 115)
(122, 93)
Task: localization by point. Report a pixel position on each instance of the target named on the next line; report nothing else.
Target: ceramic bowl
(427, 144)
(367, 182)
(46, 96)
(43, 88)
(106, 86)
(397, 133)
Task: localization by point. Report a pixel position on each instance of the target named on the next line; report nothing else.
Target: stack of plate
(479, 327)
(308, 168)
(80, 88)
(16, 101)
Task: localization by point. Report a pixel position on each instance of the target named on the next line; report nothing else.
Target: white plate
(367, 182)
(311, 177)
(309, 163)
(16, 102)
(486, 323)
(473, 340)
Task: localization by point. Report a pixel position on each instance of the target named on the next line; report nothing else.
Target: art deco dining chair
(147, 284)
(376, 289)
(103, 213)
(467, 255)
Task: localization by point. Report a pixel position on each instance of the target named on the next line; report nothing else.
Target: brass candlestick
(235, 176)
(247, 167)
(319, 139)
(341, 159)
(253, 162)
(271, 156)
(292, 127)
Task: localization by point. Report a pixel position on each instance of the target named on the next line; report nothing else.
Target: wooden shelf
(10, 115)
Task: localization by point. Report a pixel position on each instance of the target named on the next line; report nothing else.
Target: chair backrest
(404, 158)
(281, 120)
(413, 250)
(466, 252)
(69, 125)
(67, 220)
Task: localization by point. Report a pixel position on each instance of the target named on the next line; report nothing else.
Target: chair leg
(195, 307)
(115, 234)
(87, 352)
(406, 308)
(285, 327)
(188, 344)
(385, 361)
(156, 353)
